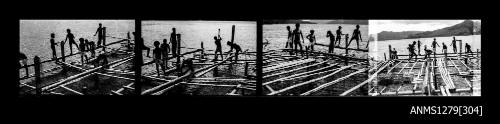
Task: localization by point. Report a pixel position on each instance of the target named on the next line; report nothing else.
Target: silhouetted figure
(413, 45)
(467, 48)
(165, 50)
(174, 42)
(102, 60)
(53, 45)
(144, 47)
(454, 45)
(356, 34)
(92, 48)
(411, 51)
(312, 40)
(297, 34)
(394, 53)
(332, 41)
(71, 39)
(339, 35)
(236, 47)
(157, 58)
(23, 59)
(87, 45)
(187, 63)
(100, 35)
(445, 49)
(428, 52)
(418, 44)
(434, 44)
(289, 42)
(217, 40)
(82, 50)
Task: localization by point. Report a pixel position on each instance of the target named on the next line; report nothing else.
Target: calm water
(35, 34)
(276, 34)
(195, 32)
(378, 48)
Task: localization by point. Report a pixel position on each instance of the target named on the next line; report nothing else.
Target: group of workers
(295, 36)
(83, 46)
(161, 51)
(412, 49)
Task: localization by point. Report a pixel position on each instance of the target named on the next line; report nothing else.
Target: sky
(377, 26)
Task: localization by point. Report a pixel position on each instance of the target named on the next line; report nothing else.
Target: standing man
(332, 41)
(312, 40)
(53, 45)
(297, 34)
(165, 50)
(434, 43)
(157, 58)
(339, 35)
(289, 38)
(356, 34)
(217, 40)
(71, 39)
(100, 35)
(418, 44)
(82, 50)
(454, 45)
(173, 42)
(445, 49)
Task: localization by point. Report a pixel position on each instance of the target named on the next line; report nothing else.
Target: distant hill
(286, 22)
(464, 28)
(389, 35)
(360, 22)
(477, 27)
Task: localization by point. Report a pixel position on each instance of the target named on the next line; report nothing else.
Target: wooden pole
(202, 51)
(246, 68)
(232, 33)
(390, 52)
(104, 39)
(138, 62)
(385, 57)
(179, 69)
(346, 50)
(36, 60)
(62, 52)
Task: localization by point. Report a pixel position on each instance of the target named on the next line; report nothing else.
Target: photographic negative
(426, 58)
(75, 57)
(315, 57)
(199, 57)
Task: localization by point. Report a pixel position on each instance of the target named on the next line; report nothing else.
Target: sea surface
(195, 32)
(34, 36)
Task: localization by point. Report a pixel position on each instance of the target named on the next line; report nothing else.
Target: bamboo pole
(366, 81)
(310, 81)
(332, 82)
(80, 74)
(294, 70)
(304, 74)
